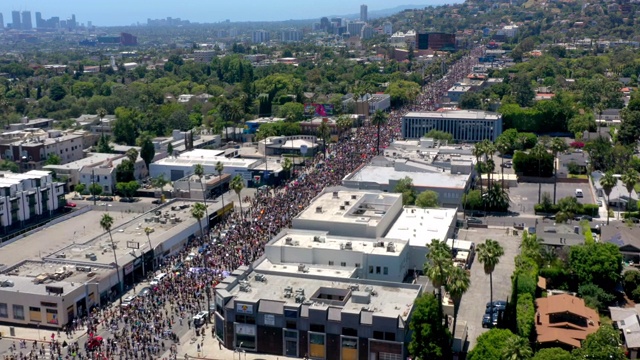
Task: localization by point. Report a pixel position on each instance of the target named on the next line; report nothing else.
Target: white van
(579, 193)
(158, 278)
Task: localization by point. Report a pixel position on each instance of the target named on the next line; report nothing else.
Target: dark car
(157, 201)
(472, 220)
(507, 165)
(489, 321)
(583, 217)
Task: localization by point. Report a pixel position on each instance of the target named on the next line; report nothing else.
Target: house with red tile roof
(564, 321)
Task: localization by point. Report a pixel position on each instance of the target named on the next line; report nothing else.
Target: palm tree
(197, 212)
(102, 113)
(517, 348)
(457, 284)
(198, 170)
(237, 184)
(539, 151)
(489, 150)
(502, 147)
(438, 264)
(378, 119)
(106, 223)
(630, 178)
(489, 254)
(287, 164)
(608, 182)
(344, 123)
(478, 152)
(148, 230)
(219, 170)
(557, 146)
(323, 133)
(159, 182)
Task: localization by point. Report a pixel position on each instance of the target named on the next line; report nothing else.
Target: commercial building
(436, 41)
(331, 287)
(28, 197)
(291, 35)
(280, 145)
(58, 273)
(204, 56)
(387, 28)
(127, 39)
(260, 36)
(71, 171)
(31, 148)
(455, 92)
(16, 22)
(464, 125)
(355, 27)
(364, 16)
(26, 20)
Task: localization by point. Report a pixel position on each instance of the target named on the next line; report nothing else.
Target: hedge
(527, 284)
(585, 209)
(526, 313)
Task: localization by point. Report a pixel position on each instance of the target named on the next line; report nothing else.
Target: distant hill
(374, 14)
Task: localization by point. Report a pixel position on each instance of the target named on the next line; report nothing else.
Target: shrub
(525, 315)
(595, 297)
(526, 285)
(630, 281)
(635, 295)
(557, 277)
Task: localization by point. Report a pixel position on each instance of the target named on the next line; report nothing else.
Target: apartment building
(30, 149)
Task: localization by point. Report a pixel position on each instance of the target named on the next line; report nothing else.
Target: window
(349, 331)
(18, 312)
(378, 335)
(52, 316)
(245, 319)
(377, 269)
(290, 313)
(316, 328)
(35, 314)
(386, 271)
(358, 265)
(370, 269)
(330, 263)
(4, 312)
(343, 264)
(291, 324)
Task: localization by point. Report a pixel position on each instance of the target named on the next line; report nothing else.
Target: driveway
(472, 306)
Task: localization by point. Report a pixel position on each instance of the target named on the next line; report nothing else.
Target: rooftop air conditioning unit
(319, 209)
(342, 207)
(335, 194)
(348, 245)
(391, 247)
(353, 197)
(288, 241)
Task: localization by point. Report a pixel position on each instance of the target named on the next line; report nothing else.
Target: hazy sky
(121, 12)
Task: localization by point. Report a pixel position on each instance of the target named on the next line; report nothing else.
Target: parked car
(489, 321)
(472, 220)
(157, 201)
(71, 204)
(200, 318)
(583, 217)
(508, 165)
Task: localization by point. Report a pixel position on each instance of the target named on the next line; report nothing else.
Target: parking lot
(525, 195)
(472, 306)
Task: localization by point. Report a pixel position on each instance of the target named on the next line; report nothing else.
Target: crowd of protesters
(144, 327)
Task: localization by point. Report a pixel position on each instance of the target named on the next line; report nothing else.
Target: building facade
(464, 125)
(436, 41)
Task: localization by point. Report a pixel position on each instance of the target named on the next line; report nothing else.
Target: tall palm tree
(102, 113)
(557, 146)
(237, 184)
(608, 182)
(287, 164)
(378, 119)
(630, 178)
(148, 230)
(489, 254)
(489, 150)
(198, 170)
(478, 152)
(106, 223)
(539, 151)
(344, 123)
(457, 284)
(517, 348)
(438, 264)
(323, 133)
(197, 212)
(502, 147)
(219, 170)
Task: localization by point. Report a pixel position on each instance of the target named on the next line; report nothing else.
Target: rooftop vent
(303, 268)
(342, 207)
(348, 245)
(391, 247)
(354, 197)
(319, 209)
(245, 287)
(319, 239)
(288, 241)
(261, 278)
(335, 194)
(347, 203)
(354, 287)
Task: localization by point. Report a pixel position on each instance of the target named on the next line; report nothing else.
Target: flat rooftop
(91, 160)
(419, 226)
(385, 174)
(391, 300)
(350, 206)
(455, 115)
(321, 240)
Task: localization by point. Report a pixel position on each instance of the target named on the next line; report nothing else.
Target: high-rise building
(367, 32)
(325, 25)
(15, 17)
(355, 27)
(364, 13)
(39, 22)
(1, 22)
(26, 20)
(436, 41)
(387, 28)
(291, 35)
(260, 36)
(128, 39)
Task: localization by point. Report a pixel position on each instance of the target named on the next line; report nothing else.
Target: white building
(291, 35)
(509, 31)
(104, 174)
(260, 36)
(455, 92)
(175, 168)
(71, 171)
(28, 196)
(204, 56)
(465, 125)
(32, 147)
(387, 28)
(355, 27)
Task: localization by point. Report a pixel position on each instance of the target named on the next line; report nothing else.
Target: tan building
(564, 320)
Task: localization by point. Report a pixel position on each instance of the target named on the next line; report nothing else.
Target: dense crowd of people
(144, 328)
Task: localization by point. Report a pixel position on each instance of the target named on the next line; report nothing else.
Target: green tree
(525, 315)
(567, 208)
(608, 182)
(489, 254)
(197, 212)
(438, 264)
(287, 165)
(491, 345)
(557, 146)
(539, 152)
(404, 186)
(378, 119)
(522, 90)
(439, 135)
(159, 183)
(106, 223)
(496, 198)
(103, 145)
(630, 178)
(595, 296)
(471, 100)
(57, 92)
(427, 199)
(170, 149)
(430, 339)
(552, 354)
(125, 129)
(479, 153)
(147, 151)
(344, 123)
(402, 92)
(237, 184)
(80, 188)
(95, 189)
(598, 263)
(517, 348)
(125, 171)
(473, 200)
(219, 169)
(7, 165)
(323, 133)
(457, 284)
(603, 344)
(53, 159)
(631, 281)
(291, 111)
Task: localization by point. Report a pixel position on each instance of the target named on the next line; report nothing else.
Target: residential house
(627, 320)
(619, 196)
(609, 117)
(564, 320)
(559, 235)
(626, 238)
(577, 161)
(104, 174)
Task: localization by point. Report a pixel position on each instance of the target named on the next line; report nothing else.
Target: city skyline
(120, 12)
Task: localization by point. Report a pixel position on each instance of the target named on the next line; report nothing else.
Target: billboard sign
(318, 109)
